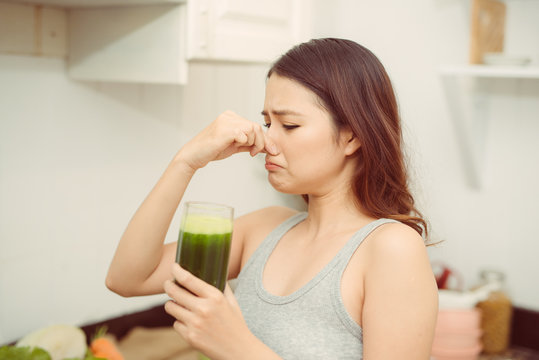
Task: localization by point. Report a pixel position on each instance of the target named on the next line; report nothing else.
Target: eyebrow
(283, 112)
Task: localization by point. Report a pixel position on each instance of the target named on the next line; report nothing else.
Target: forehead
(283, 93)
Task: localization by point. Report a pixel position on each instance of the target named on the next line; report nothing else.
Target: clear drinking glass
(204, 241)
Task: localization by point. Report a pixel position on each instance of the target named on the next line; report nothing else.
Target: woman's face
(311, 153)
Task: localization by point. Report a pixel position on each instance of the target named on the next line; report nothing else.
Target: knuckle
(196, 325)
(215, 298)
(192, 338)
(168, 306)
(204, 312)
(188, 281)
(178, 327)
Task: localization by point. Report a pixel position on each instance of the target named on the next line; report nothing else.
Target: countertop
(513, 354)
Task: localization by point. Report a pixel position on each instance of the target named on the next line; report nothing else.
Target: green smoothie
(204, 248)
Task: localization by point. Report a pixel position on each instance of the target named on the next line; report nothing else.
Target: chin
(282, 187)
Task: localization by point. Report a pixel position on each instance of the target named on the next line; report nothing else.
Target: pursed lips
(271, 165)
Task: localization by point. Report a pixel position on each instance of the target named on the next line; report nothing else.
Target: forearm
(142, 262)
(140, 249)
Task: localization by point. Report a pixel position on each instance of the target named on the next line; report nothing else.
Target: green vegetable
(9, 352)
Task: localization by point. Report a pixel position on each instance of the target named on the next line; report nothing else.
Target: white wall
(493, 226)
(76, 161)
(77, 158)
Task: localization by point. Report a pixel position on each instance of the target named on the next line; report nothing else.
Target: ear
(350, 141)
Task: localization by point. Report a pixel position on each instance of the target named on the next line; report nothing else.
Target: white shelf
(491, 71)
(94, 3)
(469, 105)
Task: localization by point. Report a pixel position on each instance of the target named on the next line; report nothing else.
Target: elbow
(117, 287)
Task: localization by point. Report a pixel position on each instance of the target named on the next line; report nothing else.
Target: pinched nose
(270, 147)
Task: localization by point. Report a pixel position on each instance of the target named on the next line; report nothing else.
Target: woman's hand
(225, 136)
(207, 319)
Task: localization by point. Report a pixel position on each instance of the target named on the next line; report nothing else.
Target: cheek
(311, 155)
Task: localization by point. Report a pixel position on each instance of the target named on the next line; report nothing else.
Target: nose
(270, 144)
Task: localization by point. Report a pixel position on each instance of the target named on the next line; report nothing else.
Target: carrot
(104, 348)
(101, 347)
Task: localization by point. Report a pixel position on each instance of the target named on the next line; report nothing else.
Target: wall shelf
(94, 3)
(469, 104)
(491, 71)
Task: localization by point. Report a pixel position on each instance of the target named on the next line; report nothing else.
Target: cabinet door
(245, 30)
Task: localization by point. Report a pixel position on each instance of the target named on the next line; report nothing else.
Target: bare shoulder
(395, 239)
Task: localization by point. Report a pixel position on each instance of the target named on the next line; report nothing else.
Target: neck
(334, 211)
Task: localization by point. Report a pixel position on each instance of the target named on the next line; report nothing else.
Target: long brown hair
(355, 89)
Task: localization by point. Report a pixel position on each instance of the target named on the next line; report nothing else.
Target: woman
(349, 278)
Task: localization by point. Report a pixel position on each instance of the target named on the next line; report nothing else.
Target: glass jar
(496, 314)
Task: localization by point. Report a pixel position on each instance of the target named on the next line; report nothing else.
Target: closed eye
(267, 125)
(290, 127)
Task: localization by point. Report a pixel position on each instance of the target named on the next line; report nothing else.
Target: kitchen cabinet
(245, 30)
(154, 41)
(94, 3)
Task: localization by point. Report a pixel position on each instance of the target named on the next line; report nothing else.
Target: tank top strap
(342, 259)
(351, 246)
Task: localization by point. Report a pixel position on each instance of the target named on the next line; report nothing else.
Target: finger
(177, 311)
(250, 135)
(240, 137)
(231, 298)
(270, 147)
(181, 329)
(179, 294)
(228, 290)
(191, 283)
(259, 140)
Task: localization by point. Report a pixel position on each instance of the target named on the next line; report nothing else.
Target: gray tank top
(312, 322)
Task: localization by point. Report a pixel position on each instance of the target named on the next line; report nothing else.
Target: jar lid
(489, 275)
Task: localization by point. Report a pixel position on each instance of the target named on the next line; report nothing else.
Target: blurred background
(87, 127)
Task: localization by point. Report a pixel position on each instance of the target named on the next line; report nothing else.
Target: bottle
(496, 314)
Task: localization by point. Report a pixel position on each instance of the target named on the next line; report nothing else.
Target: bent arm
(141, 262)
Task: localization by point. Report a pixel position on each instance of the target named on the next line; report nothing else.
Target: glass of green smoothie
(204, 241)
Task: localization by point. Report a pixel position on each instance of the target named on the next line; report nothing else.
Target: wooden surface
(156, 344)
(487, 29)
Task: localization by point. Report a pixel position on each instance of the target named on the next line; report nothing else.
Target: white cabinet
(153, 41)
(244, 30)
(93, 3)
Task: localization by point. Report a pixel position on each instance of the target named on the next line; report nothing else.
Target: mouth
(272, 166)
